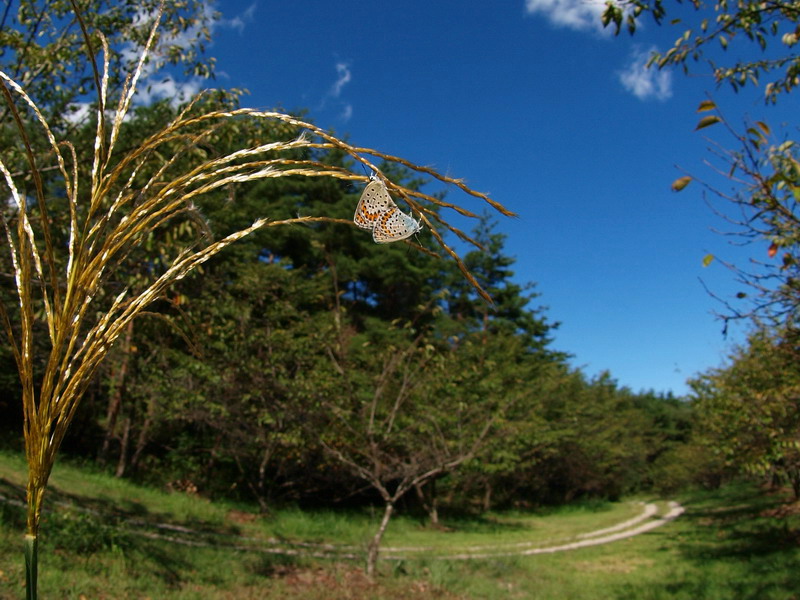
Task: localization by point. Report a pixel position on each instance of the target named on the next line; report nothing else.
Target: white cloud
(77, 112)
(155, 84)
(581, 15)
(240, 21)
(646, 83)
(152, 89)
(342, 79)
(182, 39)
(333, 95)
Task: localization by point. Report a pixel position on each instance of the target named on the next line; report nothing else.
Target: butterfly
(377, 211)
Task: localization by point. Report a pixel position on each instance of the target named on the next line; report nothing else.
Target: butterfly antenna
(372, 176)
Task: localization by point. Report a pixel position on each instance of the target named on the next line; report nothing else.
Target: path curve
(178, 534)
(595, 538)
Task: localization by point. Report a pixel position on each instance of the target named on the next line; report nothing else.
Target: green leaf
(707, 122)
(708, 259)
(757, 138)
(681, 183)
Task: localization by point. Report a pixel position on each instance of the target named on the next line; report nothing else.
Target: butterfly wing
(393, 226)
(374, 202)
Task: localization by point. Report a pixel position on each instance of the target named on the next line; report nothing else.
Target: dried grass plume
(127, 197)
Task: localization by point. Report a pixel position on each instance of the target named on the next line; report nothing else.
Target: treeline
(310, 364)
(748, 411)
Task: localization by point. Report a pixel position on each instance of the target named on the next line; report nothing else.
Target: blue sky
(532, 103)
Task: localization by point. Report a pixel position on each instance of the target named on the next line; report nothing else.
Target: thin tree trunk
(261, 484)
(487, 496)
(429, 504)
(144, 433)
(122, 463)
(262, 467)
(117, 392)
(375, 544)
(794, 477)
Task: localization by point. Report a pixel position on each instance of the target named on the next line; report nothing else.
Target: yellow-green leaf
(708, 259)
(706, 105)
(681, 183)
(707, 121)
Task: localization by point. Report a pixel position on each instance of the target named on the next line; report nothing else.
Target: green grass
(100, 539)
(726, 546)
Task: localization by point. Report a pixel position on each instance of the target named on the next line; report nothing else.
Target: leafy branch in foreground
(44, 46)
(724, 22)
(63, 303)
(763, 210)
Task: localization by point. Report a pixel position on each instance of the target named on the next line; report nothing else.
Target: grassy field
(105, 538)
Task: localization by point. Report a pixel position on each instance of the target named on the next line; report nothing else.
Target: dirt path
(618, 532)
(177, 534)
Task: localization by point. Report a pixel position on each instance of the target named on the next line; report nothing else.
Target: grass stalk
(69, 303)
(31, 566)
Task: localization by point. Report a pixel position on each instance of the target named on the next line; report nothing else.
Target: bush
(83, 533)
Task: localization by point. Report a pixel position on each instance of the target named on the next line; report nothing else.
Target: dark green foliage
(239, 377)
(230, 384)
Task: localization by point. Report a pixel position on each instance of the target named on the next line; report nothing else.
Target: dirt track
(639, 524)
(645, 521)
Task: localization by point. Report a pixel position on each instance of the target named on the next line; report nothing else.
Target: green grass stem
(31, 566)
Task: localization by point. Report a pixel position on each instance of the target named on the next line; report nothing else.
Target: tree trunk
(487, 497)
(374, 545)
(144, 433)
(430, 501)
(794, 478)
(261, 484)
(122, 463)
(116, 393)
